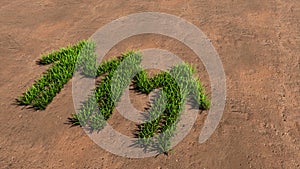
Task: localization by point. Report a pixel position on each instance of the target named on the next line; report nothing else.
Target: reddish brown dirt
(258, 43)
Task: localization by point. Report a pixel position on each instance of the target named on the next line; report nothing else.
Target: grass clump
(42, 92)
(108, 92)
(177, 84)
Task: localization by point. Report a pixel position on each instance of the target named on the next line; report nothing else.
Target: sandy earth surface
(258, 43)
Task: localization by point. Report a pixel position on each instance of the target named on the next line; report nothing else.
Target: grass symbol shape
(176, 86)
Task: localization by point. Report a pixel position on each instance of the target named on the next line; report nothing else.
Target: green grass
(120, 72)
(42, 92)
(177, 85)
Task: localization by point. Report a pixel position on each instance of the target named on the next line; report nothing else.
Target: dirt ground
(258, 43)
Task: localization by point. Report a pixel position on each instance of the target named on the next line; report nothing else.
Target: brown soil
(258, 43)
